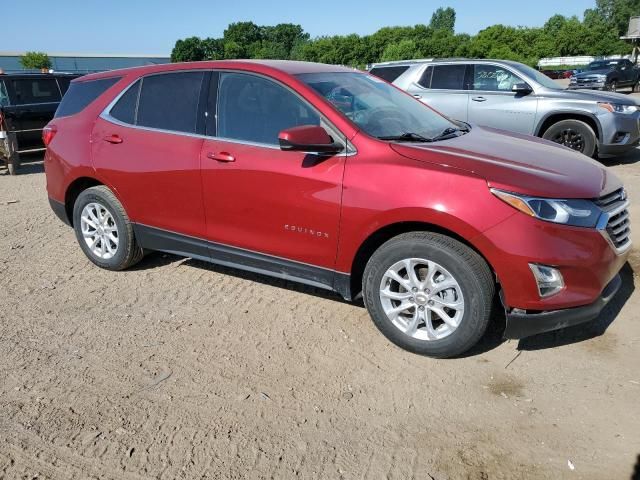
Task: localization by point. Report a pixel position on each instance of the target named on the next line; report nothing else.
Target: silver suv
(515, 97)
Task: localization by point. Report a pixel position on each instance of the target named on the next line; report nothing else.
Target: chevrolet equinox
(334, 178)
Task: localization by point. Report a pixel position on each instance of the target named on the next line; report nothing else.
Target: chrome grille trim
(614, 224)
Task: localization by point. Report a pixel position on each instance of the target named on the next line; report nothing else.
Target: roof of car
(441, 60)
(286, 66)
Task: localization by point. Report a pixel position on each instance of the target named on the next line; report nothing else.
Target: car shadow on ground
(628, 158)
(157, 259)
(492, 337)
(586, 331)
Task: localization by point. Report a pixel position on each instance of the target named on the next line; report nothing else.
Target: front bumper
(522, 324)
(620, 133)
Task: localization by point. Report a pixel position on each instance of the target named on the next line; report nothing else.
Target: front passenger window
(491, 78)
(255, 109)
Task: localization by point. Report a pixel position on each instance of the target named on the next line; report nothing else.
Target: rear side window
(125, 108)
(170, 101)
(389, 73)
(35, 90)
(448, 77)
(81, 94)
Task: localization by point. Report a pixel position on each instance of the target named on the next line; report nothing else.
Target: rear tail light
(48, 133)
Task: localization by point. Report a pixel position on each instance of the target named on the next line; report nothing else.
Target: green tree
(188, 50)
(403, 50)
(616, 13)
(35, 60)
(213, 48)
(443, 19)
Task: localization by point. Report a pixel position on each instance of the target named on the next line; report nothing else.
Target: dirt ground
(179, 369)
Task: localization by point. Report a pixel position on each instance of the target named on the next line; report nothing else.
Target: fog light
(548, 279)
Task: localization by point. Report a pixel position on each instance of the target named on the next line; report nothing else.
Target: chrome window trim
(349, 150)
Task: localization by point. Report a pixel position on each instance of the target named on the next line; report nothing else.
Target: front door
(257, 197)
(493, 104)
(147, 147)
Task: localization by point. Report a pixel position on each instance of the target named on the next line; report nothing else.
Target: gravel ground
(179, 369)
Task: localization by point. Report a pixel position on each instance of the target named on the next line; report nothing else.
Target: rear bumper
(521, 325)
(60, 210)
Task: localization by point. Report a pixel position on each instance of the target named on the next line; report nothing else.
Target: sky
(153, 26)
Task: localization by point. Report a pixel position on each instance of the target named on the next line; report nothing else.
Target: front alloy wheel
(429, 293)
(422, 299)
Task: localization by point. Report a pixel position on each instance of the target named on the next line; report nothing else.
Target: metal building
(83, 62)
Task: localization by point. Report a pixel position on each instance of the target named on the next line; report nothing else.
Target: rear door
(443, 87)
(147, 145)
(33, 102)
(493, 104)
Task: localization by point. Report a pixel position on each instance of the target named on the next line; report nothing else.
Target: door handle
(221, 157)
(417, 95)
(479, 99)
(113, 139)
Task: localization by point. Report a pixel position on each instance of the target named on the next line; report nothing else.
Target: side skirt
(183, 245)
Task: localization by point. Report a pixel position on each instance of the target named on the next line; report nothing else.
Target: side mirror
(308, 138)
(522, 88)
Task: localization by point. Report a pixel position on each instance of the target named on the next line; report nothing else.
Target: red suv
(334, 178)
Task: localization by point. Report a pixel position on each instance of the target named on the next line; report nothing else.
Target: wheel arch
(555, 117)
(387, 232)
(75, 188)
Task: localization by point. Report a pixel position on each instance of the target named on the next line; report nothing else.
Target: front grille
(618, 227)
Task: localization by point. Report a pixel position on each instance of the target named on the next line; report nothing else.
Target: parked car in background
(27, 103)
(611, 75)
(517, 98)
(333, 178)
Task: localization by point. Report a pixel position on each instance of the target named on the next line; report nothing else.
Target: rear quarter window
(389, 73)
(81, 94)
(4, 97)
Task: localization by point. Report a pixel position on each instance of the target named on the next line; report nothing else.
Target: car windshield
(378, 108)
(602, 65)
(539, 77)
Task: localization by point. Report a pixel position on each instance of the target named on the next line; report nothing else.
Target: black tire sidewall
(588, 135)
(473, 323)
(120, 258)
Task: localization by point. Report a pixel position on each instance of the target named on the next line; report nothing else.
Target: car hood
(601, 71)
(590, 96)
(518, 163)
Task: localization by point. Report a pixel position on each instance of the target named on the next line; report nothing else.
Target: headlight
(572, 79)
(578, 213)
(616, 108)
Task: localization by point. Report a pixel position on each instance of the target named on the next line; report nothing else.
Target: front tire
(429, 294)
(104, 231)
(573, 134)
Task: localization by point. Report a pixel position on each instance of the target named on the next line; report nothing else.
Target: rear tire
(13, 163)
(573, 134)
(104, 231)
(449, 277)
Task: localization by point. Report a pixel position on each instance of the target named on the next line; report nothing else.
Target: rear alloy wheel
(104, 231)
(429, 293)
(573, 134)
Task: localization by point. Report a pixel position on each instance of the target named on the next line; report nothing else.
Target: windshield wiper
(407, 137)
(449, 132)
